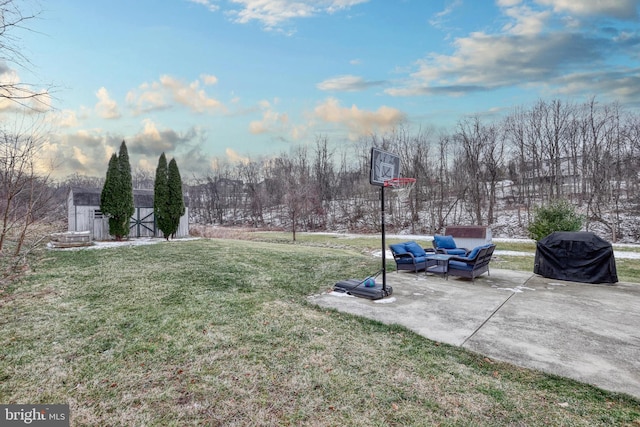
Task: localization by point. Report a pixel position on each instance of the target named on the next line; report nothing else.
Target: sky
(211, 81)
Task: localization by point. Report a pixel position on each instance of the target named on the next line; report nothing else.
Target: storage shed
(84, 215)
(469, 236)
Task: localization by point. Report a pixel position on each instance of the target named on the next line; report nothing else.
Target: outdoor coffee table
(442, 264)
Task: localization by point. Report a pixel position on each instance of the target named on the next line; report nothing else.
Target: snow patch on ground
(141, 241)
(340, 294)
(517, 289)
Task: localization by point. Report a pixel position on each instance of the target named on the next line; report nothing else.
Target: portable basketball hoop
(384, 173)
(401, 187)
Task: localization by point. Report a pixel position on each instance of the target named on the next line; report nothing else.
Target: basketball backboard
(384, 166)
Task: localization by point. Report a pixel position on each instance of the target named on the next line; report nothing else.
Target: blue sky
(234, 79)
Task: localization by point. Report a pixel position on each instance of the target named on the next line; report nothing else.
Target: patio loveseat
(447, 245)
(472, 265)
(411, 256)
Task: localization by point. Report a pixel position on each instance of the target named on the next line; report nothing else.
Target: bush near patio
(558, 215)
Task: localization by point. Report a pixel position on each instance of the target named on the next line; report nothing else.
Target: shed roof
(91, 197)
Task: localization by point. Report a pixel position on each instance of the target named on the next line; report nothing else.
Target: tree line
(585, 153)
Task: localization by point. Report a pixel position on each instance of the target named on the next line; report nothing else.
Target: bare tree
(301, 192)
(324, 175)
(252, 174)
(142, 178)
(439, 186)
(24, 179)
(492, 162)
(84, 181)
(14, 18)
(217, 197)
(471, 136)
(555, 121)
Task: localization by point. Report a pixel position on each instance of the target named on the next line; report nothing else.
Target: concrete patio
(590, 333)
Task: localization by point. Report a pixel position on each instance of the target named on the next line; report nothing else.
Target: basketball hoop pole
(385, 170)
(384, 260)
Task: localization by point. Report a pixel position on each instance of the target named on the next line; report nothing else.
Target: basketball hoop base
(351, 287)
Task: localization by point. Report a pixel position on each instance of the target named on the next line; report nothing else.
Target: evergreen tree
(116, 199)
(176, 201)
(126, 182)
(161, 197)
(109, 195)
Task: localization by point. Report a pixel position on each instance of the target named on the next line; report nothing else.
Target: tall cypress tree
(126, 182)
(109, 195)
(161, 197)
(176, 200)
(116, 199)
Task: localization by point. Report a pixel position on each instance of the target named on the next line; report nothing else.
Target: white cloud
(63, 118)
(190, 95)
(85, 152)
(272, 121)
(234, 157)
(156, 95)
(148, 97)
(206, 3)
(150, 131)
(532, 49)
(151, 141)
(346, 83)
(439, 18)
(274, 13)
(623, 84)
(106, 107)
(17, 95)
(208, 79)
(508, 3)
(526, 20)
(620, 9)
(359, 122)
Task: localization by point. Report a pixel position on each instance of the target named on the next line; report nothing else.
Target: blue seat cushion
(444, 242)
(409, 260)
(398, 249)
(456, 251)
(459, 265)
(415, 249)
(474, 252)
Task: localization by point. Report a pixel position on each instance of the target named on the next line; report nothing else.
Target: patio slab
(586, 332)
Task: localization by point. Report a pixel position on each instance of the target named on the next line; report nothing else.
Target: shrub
(559, 215)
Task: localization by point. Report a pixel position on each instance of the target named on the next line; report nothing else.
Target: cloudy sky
(234, 79)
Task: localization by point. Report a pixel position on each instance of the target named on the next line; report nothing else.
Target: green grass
(219, 332)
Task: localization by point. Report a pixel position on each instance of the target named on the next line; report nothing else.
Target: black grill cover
(577, 257)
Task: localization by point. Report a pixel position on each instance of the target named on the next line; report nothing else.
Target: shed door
(142, 223)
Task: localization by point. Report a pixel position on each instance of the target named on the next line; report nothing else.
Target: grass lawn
(219, 332)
